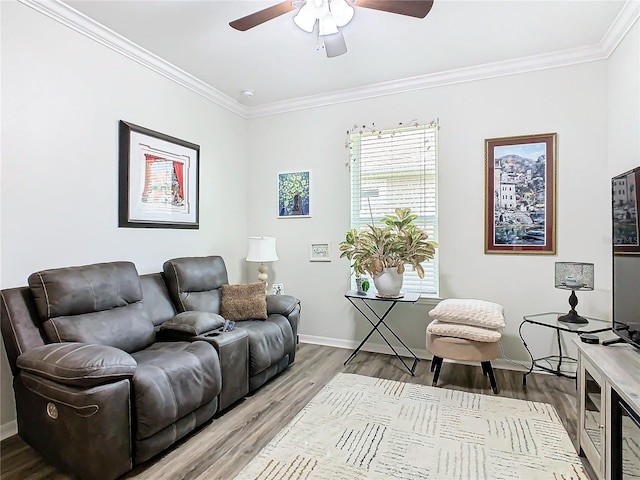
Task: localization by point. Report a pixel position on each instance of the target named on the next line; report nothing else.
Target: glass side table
(555, 363)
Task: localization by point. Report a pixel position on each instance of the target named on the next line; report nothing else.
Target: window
(392, 169)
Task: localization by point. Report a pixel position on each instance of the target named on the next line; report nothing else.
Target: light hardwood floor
(222, 447)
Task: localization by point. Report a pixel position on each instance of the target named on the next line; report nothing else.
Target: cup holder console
(227, 327)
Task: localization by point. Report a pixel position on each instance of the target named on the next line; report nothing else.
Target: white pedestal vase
(388, 283)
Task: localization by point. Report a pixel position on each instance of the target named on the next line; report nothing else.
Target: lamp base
(573, 317)
(262, 274)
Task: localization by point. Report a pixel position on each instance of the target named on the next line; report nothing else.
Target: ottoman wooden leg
(436, 364)
(488, 370)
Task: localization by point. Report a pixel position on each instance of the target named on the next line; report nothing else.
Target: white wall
(62, 98)
(570, 101)
(624, 104)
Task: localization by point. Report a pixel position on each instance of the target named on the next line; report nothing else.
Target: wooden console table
(605, 375)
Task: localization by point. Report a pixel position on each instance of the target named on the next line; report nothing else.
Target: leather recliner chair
(95, 392)
(195, 284)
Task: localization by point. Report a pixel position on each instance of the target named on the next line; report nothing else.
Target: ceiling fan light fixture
(342, 12)
(331, 16)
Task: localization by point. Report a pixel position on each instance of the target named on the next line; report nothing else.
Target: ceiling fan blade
(411, 8)
(335, 44)
(257, 18)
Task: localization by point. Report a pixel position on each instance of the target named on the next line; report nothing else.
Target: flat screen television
(625, 199)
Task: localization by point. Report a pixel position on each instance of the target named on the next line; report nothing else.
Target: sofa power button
(52, 410)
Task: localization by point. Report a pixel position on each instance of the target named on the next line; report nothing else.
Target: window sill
(429, 300)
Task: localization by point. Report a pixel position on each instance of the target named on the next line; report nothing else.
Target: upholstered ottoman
(462, 350)
(466, 330)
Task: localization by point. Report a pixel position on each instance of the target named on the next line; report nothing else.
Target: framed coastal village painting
(520, 194)
(625, 200)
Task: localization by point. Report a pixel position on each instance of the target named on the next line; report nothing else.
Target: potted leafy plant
(383, 252)
(362, 284)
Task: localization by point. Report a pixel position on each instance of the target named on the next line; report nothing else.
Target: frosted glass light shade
(327, 25)
(574, 276)
(306, 18)
(262, 249)
(342, 12)
(330, 15)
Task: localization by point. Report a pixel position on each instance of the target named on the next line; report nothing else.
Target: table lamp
(262, 249)
(574, 276)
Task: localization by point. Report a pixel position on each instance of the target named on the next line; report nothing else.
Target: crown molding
(79, 22)
(432, 80)
(626, 19)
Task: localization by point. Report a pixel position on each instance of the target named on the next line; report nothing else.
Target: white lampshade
(262, 249)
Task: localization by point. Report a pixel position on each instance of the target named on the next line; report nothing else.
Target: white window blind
(392, 169)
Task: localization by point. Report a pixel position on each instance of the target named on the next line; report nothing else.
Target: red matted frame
(520, 195)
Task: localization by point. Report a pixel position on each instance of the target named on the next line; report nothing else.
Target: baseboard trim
(502, 363)
(367, 347)
(8, 429)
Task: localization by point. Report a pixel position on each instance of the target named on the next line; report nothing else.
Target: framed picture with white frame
(320, 252)
(158, 180)
(293, 194)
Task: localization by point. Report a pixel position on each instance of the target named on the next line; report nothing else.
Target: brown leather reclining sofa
(107, 371)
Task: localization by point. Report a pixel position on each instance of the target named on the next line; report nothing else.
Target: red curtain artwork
(179, 181)
(163, 181)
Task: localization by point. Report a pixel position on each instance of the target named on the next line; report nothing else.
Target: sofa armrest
(281, 304)
(193, 322)
(86, 431)
(78, 364)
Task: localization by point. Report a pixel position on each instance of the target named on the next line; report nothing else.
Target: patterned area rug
(361, 427)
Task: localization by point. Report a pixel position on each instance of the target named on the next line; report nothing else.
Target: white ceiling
(279, 62)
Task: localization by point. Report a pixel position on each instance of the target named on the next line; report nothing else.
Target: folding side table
(376, 320)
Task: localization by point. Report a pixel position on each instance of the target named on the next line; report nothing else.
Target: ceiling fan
(327, 16)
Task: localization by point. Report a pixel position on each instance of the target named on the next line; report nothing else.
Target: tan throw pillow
(244, 302)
